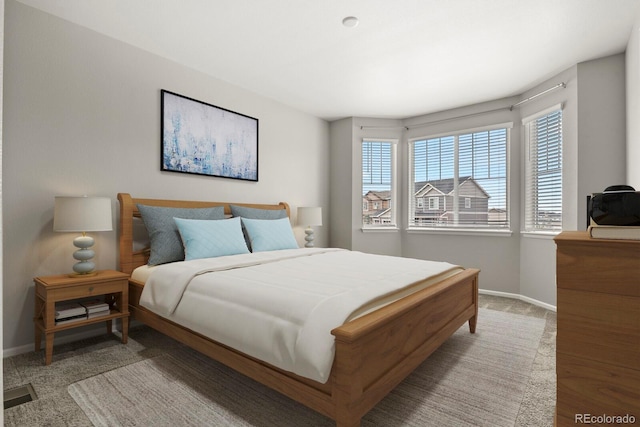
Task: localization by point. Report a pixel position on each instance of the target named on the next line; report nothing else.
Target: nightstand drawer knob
(91, 289)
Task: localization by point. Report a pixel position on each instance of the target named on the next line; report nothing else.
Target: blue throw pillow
(256, 213)
(208, 239)
(270, 234)
(165, 242)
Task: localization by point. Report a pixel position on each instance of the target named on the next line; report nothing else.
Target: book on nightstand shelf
(69, 309)
(98, 314)
(614, 232)
(95, 306)
(70, 319)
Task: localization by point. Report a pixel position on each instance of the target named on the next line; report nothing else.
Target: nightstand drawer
(87, 290)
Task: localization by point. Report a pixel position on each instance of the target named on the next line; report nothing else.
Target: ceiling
(405, 58)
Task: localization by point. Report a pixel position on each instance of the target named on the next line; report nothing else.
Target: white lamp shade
(82, 214)
(309, 216)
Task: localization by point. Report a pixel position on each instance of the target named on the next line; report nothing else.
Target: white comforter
(281, 306)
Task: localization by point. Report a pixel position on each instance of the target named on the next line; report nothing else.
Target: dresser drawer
(598, 326)
(586, 387)
(599, 266)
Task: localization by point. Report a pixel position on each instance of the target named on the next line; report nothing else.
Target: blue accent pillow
(256, 213)
(208, 239)
(166, 245)
(270, 234)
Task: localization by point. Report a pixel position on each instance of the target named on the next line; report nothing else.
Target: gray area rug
(472, 380)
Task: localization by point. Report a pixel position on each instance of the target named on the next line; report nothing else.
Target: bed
(373, 352)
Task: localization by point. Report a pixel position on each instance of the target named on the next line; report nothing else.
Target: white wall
(601, 128)
(1, 115)
(340, 234)
(82, 116)
(633, 107)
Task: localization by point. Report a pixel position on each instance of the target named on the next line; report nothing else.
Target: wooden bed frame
(373, 353)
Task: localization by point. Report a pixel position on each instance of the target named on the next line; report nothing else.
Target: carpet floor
(501, 376)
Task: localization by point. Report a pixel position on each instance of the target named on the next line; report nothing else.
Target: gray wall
(633, 107)
(82, 116)
(1, 107)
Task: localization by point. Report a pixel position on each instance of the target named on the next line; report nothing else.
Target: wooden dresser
(598, 342)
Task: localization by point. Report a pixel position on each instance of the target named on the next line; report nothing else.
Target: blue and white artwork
(204, 139)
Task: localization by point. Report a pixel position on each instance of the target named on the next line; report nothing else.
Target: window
(464, 176)
(543, 172)
(378, 183)
(434, 203)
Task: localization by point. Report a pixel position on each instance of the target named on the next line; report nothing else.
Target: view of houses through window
(460, 180)
(378, 170)
(457, 180)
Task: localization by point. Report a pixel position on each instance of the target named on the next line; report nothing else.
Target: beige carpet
(472, 380)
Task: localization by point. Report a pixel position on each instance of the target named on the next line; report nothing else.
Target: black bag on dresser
(617, 205)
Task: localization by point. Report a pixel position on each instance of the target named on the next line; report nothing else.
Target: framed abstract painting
(204, 139)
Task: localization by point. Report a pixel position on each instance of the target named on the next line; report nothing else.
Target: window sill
(391, 229)
(547, 235)
(460, 231)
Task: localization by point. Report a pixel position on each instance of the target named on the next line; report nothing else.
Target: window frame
(393, 206)
(464, 229)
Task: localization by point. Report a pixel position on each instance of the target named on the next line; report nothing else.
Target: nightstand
(112, 285)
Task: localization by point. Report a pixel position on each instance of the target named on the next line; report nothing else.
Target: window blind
(543, 181)
(467, 174)
(377, 183)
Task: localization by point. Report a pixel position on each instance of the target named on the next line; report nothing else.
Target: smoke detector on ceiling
(350, 21)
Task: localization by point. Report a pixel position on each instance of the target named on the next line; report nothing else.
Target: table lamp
(309, 217)
(82, 214)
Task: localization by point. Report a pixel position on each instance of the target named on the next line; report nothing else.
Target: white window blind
(378, 183)
(543, 180)
(467, 174)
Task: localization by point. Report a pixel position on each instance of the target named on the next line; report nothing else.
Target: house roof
(445, 186)
(378, 213)
(382, 195)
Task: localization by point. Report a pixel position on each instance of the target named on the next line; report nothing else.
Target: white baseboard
(76, 336)
(519, 297)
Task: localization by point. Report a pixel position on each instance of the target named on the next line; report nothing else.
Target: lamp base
(309, 237)
(84, 255)
(78, 275)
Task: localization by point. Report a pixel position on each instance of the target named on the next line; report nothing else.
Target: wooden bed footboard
(374, 353)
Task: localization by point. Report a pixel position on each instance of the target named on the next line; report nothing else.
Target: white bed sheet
(281, 306)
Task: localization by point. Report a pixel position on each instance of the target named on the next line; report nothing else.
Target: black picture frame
(204, 139)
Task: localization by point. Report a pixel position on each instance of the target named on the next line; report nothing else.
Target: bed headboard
(130, 259)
